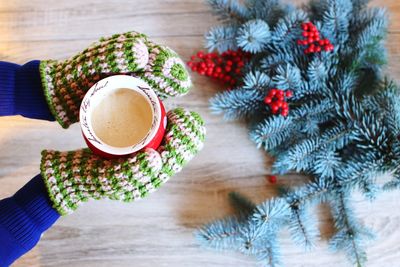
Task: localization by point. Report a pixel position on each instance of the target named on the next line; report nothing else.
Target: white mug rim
(97, 92)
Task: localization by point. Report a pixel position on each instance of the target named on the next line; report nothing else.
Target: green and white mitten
(65, 83)
(74, 177)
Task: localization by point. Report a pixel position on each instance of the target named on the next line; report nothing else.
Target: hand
(66, 82)
(74, 177)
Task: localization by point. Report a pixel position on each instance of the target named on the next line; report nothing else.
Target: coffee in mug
(123, 118)
(120, 115)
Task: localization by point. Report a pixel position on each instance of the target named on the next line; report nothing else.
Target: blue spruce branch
(342, 130)
(230, 11)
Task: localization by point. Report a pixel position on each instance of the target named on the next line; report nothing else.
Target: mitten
(74, 177)
(65, 83)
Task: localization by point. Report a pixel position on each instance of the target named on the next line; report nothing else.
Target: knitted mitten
(66, 82)
(74, 177)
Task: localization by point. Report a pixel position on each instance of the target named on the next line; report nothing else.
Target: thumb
(184, 138)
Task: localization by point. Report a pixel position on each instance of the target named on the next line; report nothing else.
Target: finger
(166, 72)
(184, 137)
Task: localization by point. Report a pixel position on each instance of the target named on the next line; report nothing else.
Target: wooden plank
(157, 231)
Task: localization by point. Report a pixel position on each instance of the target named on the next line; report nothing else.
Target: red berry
(280, 93)
(305, 34)
(318, 49)
(272, 179)
(200, 54)
(274, 105)
(267, 100)
(313, 28)
(289, 93)
(328, 47)
(273, 91)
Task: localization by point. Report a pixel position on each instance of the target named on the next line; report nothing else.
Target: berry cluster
(226, 67)
(276, 101)
(314, 41)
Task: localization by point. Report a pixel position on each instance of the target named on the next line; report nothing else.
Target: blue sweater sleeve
(29, 213)
(23, 219)
(21, 91)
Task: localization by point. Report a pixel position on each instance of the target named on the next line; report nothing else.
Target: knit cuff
(33, 198)
(21, 91)
(30, 101)
(9, 249)
(7, 87)
(25, 216)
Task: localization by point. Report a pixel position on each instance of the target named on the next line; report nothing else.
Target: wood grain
(157, 231)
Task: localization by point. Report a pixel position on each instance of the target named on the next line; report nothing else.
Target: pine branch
(229, 11)
(342, 129)
(242, 204)
(237, 104)
(335, 21)
(287, 28)
(272, 132)
(221, 38)
(219, 235)
(349, 236)
(253, 36)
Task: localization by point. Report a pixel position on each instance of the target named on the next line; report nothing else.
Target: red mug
(101, 90)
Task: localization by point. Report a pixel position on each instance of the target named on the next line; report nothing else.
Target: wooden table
(157, 231)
